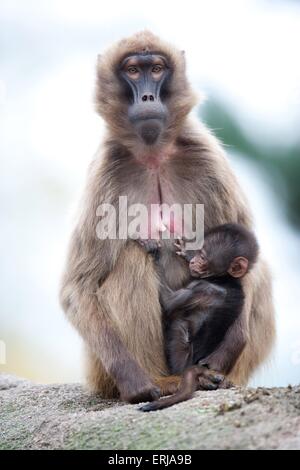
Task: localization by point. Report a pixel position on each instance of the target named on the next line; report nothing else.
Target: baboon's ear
(183, 53)
(238, 267)
(99, 58)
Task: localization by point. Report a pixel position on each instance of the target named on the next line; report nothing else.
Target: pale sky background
(244, 52)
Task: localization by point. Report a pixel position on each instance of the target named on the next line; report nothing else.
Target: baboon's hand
(151, 246)
(139, 394)
(226, 384)
(180, 247)
(212, 380)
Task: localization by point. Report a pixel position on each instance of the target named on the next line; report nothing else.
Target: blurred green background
(279, 161)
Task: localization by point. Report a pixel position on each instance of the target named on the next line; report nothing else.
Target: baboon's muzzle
(147, 113)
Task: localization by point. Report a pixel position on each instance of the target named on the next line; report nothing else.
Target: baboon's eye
(157, 71)
(132, 71)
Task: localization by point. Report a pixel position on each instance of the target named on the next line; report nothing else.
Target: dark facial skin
(203, 329)
(144, 76)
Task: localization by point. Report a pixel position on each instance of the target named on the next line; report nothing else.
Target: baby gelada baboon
(197, 317)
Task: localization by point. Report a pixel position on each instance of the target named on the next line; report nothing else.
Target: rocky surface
(68, 417)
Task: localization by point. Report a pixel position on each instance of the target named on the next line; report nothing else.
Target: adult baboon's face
(145, 78)
(143, 93)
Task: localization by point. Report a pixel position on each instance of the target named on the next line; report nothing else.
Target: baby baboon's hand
(180, 247)
(168, 385)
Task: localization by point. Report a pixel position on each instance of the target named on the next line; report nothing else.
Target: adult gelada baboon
(152, 153)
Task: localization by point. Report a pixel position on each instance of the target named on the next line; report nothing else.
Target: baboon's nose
(148, 98)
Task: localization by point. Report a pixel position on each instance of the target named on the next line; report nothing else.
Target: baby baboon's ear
(239, 267)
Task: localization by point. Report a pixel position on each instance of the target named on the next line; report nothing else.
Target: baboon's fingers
(149, 407)
(179, 243)
(216, 378)
(213, 376)
(205, 384)
(226, 384)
